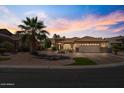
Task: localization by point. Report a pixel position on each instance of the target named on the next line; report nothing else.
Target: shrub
(35, 53)
(116, 48)
(61, 52)
(2, 51)
(8, 46)
(69, 50)
(24, 49)
(122, 47)
(47, 43)
(54, 48)
(4, 58)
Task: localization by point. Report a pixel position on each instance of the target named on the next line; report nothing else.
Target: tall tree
(32, 26)
(42, 35)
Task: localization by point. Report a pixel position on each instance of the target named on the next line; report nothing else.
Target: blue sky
(70, 11)
(68, 20)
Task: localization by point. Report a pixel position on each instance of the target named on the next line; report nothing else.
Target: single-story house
(116, 40)
(85, 44)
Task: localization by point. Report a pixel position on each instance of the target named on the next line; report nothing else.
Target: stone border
(61, 67)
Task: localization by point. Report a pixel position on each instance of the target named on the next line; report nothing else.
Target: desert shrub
(2, 51)
(47, 44)
(116, 48)
(8, 46)
(69, 50)
(24, 49)
(61, 51)
(122, 47)
(54, 48)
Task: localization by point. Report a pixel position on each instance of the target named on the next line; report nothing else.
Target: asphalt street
(109, 77)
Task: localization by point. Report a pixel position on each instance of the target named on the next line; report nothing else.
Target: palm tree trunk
(31, 48)
(33, 43)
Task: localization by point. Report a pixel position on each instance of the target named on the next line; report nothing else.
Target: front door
(77, 49)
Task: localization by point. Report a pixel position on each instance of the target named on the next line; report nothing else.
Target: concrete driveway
(101, 58)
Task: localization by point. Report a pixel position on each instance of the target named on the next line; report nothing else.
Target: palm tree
(55, 38)
(25, 42)
(42, 35)
(32, 26)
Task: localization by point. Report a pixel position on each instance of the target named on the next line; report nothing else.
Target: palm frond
(23, 27)
(28, 19)
(35, 19)
(40, 25)
(45, 32)
(26, 22)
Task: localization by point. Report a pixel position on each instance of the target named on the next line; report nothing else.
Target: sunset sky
(70, 20)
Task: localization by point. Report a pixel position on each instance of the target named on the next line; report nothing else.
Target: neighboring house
(84, 44)
(8, 36)
(20, 34)
(119, 40)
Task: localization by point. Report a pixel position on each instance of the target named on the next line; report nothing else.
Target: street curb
(61, 67)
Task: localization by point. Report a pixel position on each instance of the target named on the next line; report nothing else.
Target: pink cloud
(112, 18)
(10, 27)
(8, 19)
(119, 29)
(102, 28)
(91, 22)
(64, 25)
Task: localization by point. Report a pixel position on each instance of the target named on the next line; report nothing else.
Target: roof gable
(5, 32)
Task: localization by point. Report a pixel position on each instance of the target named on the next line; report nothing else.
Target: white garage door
(90, 49)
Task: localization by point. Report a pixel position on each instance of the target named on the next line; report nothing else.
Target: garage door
(90, 48)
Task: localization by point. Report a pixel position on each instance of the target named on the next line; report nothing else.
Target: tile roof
(87, 38)
(5, 32)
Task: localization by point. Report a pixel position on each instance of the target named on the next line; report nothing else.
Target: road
(63, 78)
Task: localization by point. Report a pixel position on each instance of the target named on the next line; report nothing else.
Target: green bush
(116, 48)
(24, 49)
(47, 43)
(122, 47)
(8, 46)
(4, 58)
(54, 48)
(2, 51)
(69, 50)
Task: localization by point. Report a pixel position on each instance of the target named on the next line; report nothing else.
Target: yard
(26, 59)
(83, 61)
(101, 58)
(4, 58)
(76, 59)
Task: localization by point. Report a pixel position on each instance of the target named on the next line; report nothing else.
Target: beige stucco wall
(67, 47)
(104, 45)
(77, 45)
